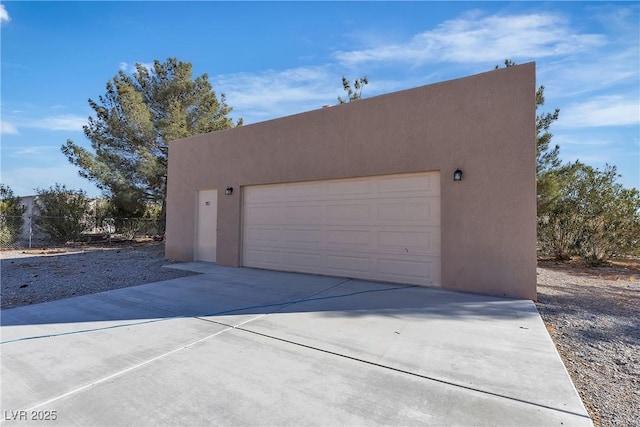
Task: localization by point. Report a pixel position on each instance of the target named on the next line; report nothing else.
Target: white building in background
(31, 210)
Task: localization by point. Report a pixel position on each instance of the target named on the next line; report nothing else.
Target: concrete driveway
(253, 347)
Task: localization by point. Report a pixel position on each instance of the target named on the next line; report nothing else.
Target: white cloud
(615, 63)
(277, 93)
(474, 38)
(59, 122)
(271, 93)
(580, 140)
(30, 150)
(4, 15)
(613, 110)
(66, 122)
(271, 87)
(7, 128)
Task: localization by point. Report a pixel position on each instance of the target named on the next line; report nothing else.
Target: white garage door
(380, 228)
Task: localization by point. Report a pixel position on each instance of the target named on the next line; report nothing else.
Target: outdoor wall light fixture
(457, 175)
(228, 191)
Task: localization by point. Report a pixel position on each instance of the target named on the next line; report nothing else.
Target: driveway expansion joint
(415, 374)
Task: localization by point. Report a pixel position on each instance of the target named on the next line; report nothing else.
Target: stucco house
(431, 186)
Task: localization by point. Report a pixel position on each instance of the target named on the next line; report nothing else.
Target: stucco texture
(482, 124)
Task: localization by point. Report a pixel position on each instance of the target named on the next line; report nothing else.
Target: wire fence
(18, 232)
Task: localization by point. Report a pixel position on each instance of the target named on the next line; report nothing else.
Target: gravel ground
(592, 314)
(34, 276)
(593, 317)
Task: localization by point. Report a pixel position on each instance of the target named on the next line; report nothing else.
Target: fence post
(30, 230)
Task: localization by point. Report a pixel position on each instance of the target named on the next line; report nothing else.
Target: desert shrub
(62, 212)
(593, 217)
(609, 213)
(11, 219)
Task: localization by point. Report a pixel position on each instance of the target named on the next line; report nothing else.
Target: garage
(434, 186)
(383, 227)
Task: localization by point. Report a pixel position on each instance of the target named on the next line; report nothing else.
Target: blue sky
(277, 59)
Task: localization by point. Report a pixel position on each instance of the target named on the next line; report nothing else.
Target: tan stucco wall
(483, 124)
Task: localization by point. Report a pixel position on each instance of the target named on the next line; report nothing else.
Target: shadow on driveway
(230, 291)
(252, 347)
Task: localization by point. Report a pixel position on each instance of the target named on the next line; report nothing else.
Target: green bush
(11, 219)
(62, 212)
(593, 216)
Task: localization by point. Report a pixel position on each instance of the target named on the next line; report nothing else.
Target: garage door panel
(408, 270)
(378, 228)
(265, 235)
(307, 237)
(401, 212)
(301, 261)
(305, 214)
(404, 267)
(348, 238)
(409, 242)
(303, 191)
(358, 187)
(262, 258)
(349, 264)
(264, 215)
(398, 185)
(264, 194)
(348, 212)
